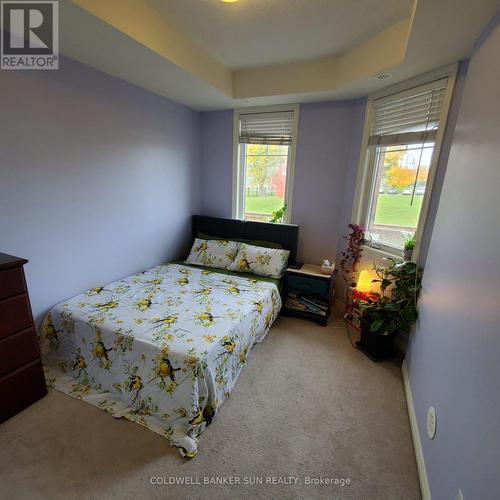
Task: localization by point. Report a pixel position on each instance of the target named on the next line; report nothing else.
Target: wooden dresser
(21, 375)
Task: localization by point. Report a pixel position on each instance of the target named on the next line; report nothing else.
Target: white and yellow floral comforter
(162, 348)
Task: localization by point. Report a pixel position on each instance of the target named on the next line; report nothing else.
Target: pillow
(212, 253)
(258, 260)
(257, 243)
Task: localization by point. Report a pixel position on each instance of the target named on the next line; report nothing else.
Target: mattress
(162, 348)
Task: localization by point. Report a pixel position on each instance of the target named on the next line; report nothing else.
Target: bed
(164, 347)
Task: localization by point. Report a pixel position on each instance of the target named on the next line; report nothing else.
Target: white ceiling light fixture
(228, 1)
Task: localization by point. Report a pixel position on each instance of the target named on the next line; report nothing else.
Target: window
(401, 146)
(263, 176)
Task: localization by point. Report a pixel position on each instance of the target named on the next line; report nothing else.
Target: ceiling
(251, 33)
(213, 55)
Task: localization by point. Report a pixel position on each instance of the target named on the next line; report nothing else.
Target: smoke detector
(383, 76)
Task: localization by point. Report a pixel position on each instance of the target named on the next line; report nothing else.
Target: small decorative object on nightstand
(327, 267)
(21, 374)
(308, 293)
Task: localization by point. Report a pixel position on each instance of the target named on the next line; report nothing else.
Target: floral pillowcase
(259, 260)
(213, 253)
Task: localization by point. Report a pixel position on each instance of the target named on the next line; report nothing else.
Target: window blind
(266, 128)
(408, 117)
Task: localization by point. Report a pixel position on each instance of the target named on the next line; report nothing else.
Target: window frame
(238, 194)
(364, 181)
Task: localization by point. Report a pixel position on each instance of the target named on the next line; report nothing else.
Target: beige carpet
(307, 405)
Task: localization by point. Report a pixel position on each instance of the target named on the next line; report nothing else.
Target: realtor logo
(30, 34)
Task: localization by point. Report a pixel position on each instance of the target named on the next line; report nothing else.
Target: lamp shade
(364, 283)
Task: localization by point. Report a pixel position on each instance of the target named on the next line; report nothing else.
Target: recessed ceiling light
(228, 1)
(382, 76)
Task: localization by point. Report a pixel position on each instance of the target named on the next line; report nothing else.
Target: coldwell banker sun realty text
(30, 34)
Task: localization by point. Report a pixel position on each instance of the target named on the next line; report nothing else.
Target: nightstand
(308, 293)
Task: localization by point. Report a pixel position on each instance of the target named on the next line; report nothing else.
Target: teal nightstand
(308, 293)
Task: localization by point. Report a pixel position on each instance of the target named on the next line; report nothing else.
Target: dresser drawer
(18, 350)
(15, 315)
(11, 282)
(20, 389)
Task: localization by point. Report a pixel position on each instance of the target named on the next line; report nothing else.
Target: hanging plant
(352, 255)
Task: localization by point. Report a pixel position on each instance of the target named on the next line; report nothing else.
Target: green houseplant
(278, 215)
(409, 245)
(393, 311)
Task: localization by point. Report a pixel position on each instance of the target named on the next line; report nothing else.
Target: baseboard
(417, 444)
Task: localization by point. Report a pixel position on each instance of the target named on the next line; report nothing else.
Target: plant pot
(407, 253)
(376, 346)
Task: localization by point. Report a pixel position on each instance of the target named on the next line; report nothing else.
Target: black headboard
(287, 235)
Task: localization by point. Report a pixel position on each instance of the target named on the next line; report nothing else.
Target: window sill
(379, 253)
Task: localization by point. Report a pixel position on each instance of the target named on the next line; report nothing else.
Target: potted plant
(393, 311)
(409, 245)
(352, 255)
(278, 215)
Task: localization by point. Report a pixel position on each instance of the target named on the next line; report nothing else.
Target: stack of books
(353, 310)
(299, 302)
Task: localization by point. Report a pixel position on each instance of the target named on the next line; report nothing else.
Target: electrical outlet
(431, 422)
(459, 495)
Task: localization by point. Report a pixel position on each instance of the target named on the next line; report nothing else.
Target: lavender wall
(328, 143)
(98, 178)
(328, 149)
(217, 158)
(328, 146)
(454, 355)
(448, 136)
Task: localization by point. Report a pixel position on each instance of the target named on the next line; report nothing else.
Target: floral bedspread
(162, 348)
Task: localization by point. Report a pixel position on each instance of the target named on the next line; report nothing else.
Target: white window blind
(266, 128)
(408, 117)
